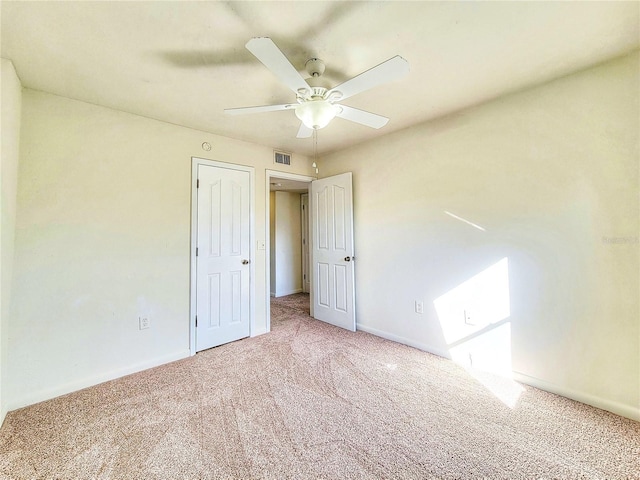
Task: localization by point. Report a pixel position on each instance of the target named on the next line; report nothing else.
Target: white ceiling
(287, 185)
(184, 62)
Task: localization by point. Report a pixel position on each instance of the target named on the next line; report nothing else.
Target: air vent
(282, 158)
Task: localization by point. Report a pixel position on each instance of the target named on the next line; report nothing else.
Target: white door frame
(306, 256)
(271, 174)
(195, 162)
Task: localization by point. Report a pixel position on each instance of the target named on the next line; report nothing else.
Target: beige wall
(103, 235)
(11, 100)
(287, 245)
(551, 175)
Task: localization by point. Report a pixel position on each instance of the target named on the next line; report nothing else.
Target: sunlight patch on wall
(475, 304)
(464, 220)
(490, 350)
(474, 317)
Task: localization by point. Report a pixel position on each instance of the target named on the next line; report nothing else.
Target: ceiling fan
(317, 105)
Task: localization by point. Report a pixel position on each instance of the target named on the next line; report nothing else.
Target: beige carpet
(311, 401)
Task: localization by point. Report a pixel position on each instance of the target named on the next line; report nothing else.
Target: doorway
(284, 195)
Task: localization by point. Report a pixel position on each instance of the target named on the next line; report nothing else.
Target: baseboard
(288, 292)
(3, 414)
(405, 341)
(95, 380)
(618, 408)
(257, 332)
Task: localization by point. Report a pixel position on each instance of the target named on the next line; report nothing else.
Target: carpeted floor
(299, 301)
(311, 401)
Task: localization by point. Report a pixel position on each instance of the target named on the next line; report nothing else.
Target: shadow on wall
(475, 321)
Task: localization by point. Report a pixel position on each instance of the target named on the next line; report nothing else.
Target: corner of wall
(11, 119)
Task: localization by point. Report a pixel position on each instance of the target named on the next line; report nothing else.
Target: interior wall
(287, 244)
(548, 180)
(103, 237)
(11, 98)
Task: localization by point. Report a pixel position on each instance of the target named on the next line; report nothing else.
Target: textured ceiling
(184, 62)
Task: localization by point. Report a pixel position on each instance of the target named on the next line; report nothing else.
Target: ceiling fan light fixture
(317, 104)
(316, 114)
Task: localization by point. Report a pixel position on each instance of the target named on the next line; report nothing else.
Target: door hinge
(198, 183)
(196, 320)
(196, 251)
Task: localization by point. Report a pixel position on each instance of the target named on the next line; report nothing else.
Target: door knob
(245, 262)
(347, 259)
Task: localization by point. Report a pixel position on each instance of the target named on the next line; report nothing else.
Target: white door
(306, 276)
(222, 261)
(332, 295)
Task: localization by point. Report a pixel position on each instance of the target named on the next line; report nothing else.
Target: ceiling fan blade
(272, 57)
(393, 69)
(360, 116)
(260, 109)
(304, 131)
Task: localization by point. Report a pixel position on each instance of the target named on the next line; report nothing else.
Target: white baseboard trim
(95, 380)
(3, 414)
(288, 292)
(618, 408)
(612, 406)
(405, 341)
(260, 331)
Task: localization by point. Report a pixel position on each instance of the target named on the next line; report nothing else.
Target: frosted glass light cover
(316, 114)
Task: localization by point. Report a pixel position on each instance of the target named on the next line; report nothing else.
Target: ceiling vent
(282, 158)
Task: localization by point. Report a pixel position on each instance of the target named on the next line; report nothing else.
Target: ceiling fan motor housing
(315, 67)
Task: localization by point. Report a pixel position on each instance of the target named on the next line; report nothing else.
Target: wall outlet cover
(144, 323)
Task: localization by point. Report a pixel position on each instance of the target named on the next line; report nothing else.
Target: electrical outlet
(419, 307)
(144, 322)
(468, 319)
